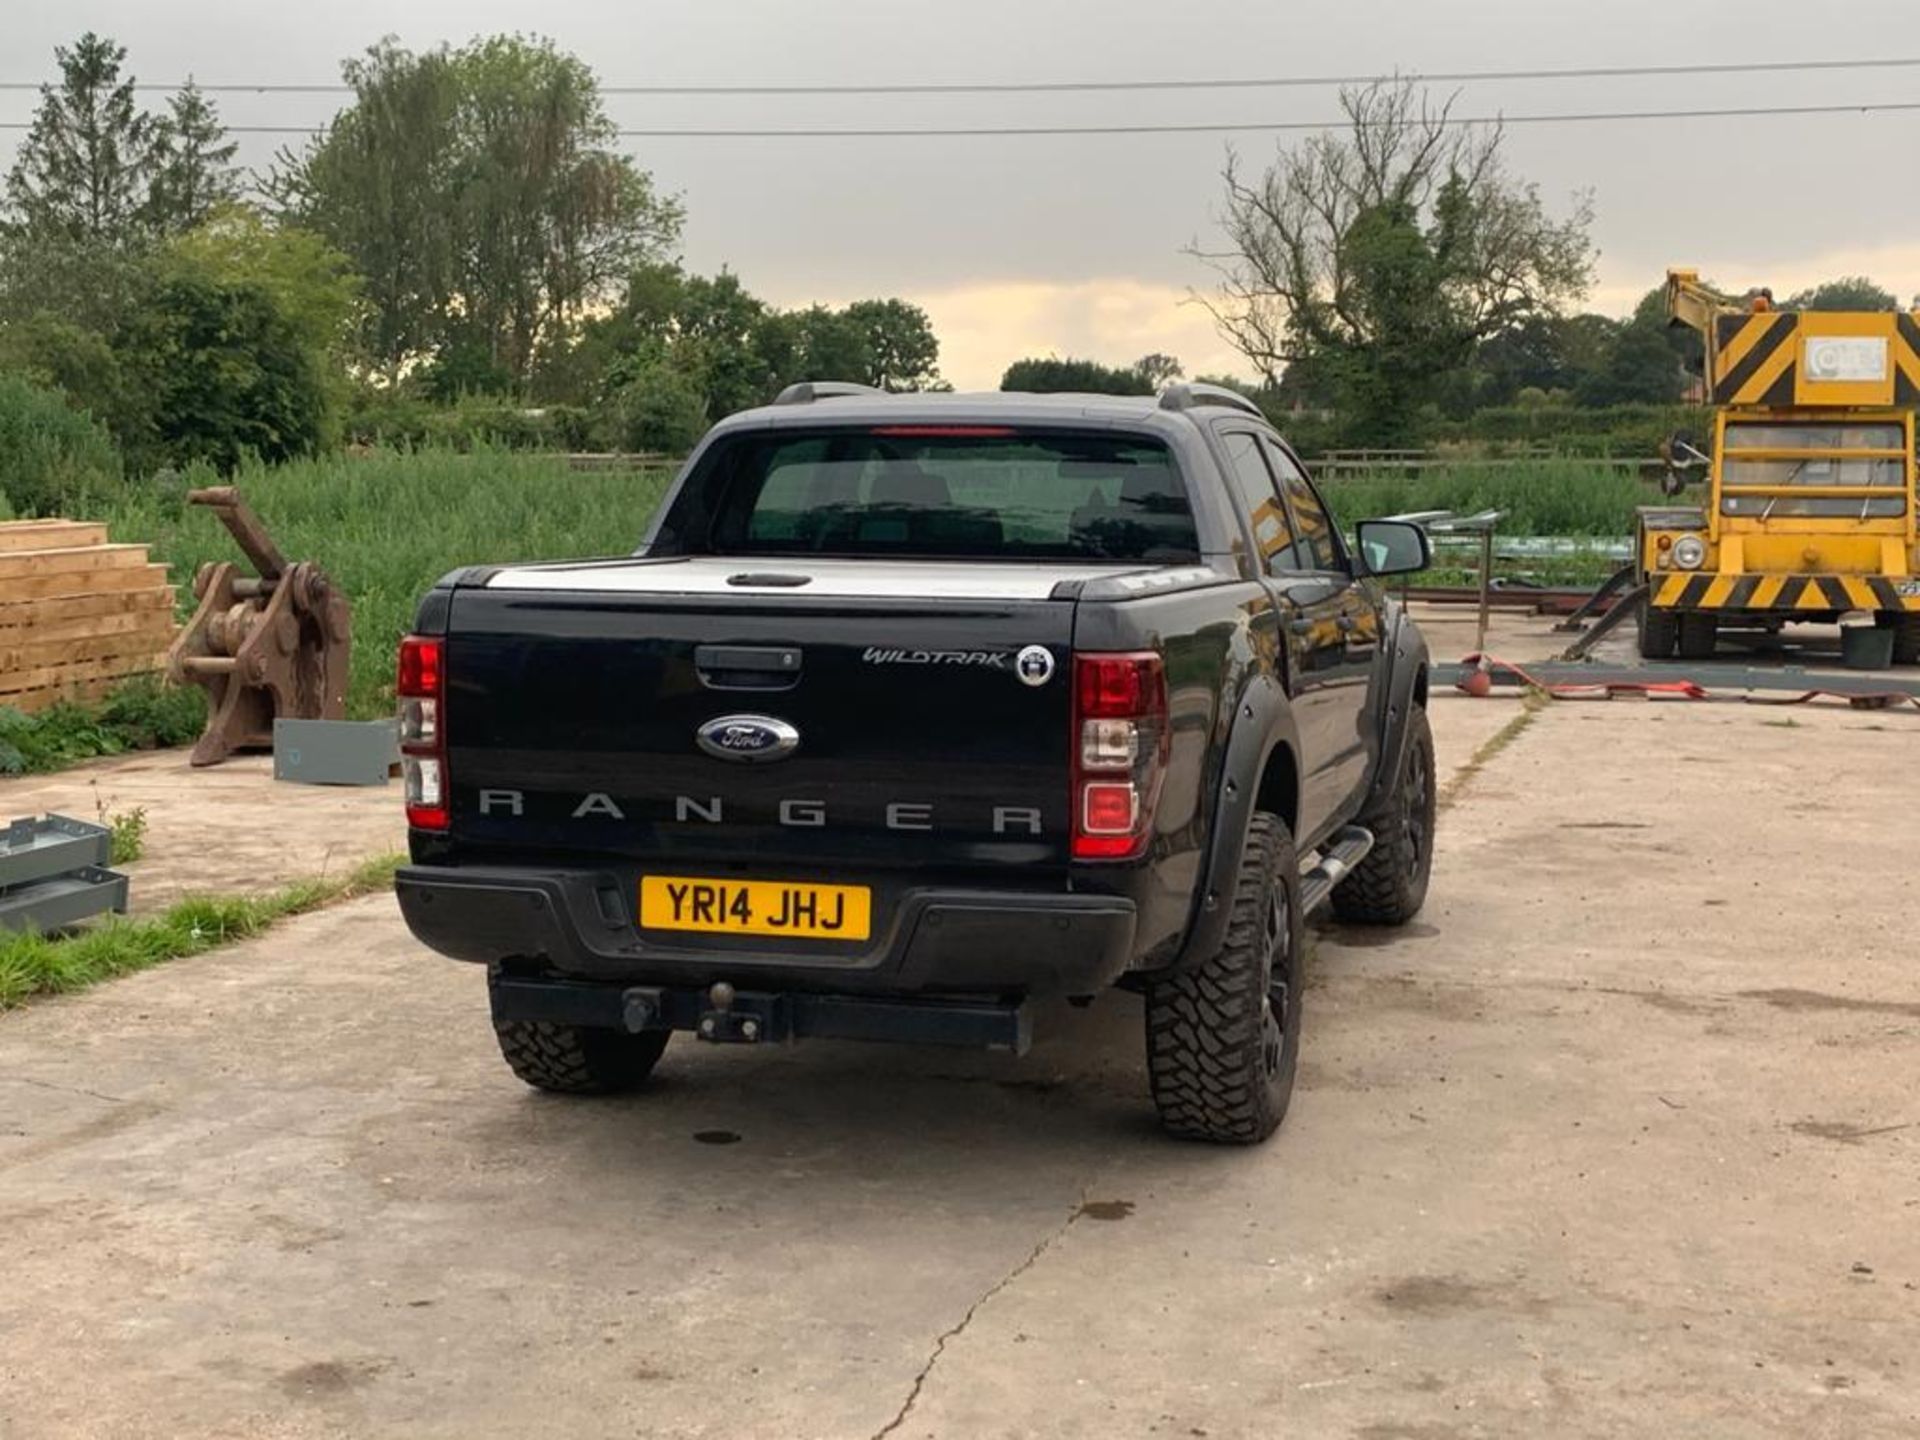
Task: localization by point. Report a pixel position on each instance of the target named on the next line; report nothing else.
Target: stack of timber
(77, 615)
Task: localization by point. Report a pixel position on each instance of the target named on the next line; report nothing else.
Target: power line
(1589, 117)
(1034, 87)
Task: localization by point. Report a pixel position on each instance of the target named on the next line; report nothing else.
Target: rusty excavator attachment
(266, 646)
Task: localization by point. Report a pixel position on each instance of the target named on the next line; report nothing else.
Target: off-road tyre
(1699, 633)
(1906, 637)
(1390, 885)
(1659, 632)
(575, 1060)
(1223, 1039)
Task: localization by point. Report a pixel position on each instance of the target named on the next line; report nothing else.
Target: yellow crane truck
(1810, 513)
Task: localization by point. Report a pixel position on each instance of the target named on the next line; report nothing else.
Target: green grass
(33, 965)
(1550, 497)
(386, 526)
(126, 834)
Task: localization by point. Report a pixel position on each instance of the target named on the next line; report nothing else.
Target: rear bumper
(579, 924)
(1813, 594)
(754, 1018)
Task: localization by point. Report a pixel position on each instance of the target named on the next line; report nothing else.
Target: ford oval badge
(751, 738)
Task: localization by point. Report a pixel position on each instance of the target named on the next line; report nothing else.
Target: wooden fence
(77, 614)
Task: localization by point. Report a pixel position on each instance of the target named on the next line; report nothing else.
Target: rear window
(952, 492)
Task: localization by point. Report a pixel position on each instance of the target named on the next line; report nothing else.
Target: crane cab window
(1797, 461)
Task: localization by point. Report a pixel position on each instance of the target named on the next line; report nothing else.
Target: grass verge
(1531, 704)
(33, 965)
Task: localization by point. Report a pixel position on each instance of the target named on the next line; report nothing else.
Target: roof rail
(1188, 396)
(808, 391)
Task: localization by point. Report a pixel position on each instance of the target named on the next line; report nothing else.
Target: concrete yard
(1621, 1138)
(230, 829)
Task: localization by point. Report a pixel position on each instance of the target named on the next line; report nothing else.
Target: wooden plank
(22, 563)
(149, 659)
(81, 692)
(25, 527)
(156, 620)
(51, 534)
(98, 582)
(67, 609)
(43, 651)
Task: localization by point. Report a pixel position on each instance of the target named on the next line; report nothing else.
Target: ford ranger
(912, 710)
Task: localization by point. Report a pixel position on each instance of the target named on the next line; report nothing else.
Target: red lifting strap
(1680, 689)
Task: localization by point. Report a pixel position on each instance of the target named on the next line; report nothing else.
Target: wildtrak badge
(984, 659)
(1033, 665)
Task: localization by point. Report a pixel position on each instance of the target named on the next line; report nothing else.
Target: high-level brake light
(1120, 742)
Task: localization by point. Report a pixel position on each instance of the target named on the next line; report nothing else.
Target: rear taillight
(1120, 743)
(422, 688)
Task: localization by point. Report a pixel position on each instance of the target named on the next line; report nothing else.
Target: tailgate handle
(748, 667)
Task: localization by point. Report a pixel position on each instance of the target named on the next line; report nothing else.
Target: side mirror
(1393, 547)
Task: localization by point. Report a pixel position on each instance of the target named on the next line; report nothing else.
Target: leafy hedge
(479, 422)
(1626, 431)
(53, 458)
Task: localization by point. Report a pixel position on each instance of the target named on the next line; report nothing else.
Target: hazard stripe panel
(1761, 339)
(1781, 592)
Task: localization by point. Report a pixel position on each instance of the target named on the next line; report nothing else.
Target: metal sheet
(334, 752)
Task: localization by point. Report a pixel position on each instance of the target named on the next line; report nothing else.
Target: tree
(1639, 367)
(657, 408)
(479, 192)
(1053, 375)
(82, 172)
(313, 285)
(194, 173)
(1384, 254)
(377, 186)
(1157, 370)
(901, 350)
(1850, 292)
(221, 373)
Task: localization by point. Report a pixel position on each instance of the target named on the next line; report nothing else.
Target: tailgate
(650, 726)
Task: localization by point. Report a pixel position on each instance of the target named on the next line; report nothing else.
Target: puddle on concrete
(1368, 937)
(1815, 1000)
(1841, 1132)
(718, 1137)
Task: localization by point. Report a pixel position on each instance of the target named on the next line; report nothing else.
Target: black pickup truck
(913, 709)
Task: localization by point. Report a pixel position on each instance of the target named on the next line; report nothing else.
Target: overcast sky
(1073, 244)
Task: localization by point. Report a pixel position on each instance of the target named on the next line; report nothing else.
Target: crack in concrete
(56, 1086)
(953, 1332)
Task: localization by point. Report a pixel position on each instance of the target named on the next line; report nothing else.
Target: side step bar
(1337, 858)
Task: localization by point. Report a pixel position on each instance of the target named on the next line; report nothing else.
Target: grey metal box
(335, 752)
(64, 900)
(34, 849)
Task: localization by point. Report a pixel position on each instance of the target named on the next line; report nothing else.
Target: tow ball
(724, 1024)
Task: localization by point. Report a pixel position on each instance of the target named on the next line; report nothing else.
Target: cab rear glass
(947, 492)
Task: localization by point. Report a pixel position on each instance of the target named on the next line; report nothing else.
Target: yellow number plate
(756, 907)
